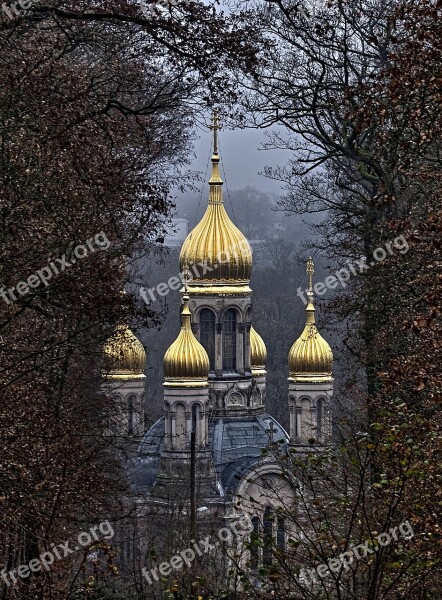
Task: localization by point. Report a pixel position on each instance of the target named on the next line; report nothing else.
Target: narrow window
(254, 544)
(207, 334)
(280, 534)
(196, 423)
(268, 540)
(319, 421)
(229, 340)
(298, 423)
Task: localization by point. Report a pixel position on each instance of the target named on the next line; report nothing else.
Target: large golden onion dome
(310, 357)
(258, 352)
(186, 359)
(125, 356)
(216, 250)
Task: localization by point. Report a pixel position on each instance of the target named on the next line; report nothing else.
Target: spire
(310, 271)
(186, 277)
(215, 128)
(215, 181)
(310, 308)
(186, 315)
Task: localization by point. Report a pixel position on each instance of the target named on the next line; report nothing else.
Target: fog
(241, 159)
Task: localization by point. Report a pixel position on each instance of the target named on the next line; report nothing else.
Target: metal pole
(192, 477)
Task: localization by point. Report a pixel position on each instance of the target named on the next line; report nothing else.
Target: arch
(229, 340)
(207, 321)
(304, 400)
(235, 397)
(236, 309)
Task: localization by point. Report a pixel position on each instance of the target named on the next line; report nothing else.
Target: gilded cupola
(216, 250)
(310, 357)
(186, 360)
(124, 354)
(258, 352)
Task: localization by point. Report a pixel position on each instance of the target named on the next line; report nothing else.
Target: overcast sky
(241, 159)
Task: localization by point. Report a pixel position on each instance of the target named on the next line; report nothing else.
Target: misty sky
(240, 157)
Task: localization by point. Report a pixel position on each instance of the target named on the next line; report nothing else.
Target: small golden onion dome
(258, 351)
(310, 357)
(186, 359)
(125, 356)
(216, 248)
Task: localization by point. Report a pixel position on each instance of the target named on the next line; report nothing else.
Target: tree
(310, 84)
(96, 110)
(360, 96)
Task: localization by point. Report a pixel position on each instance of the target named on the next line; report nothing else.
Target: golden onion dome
(215, 249)
(258, 352)
(186, 359)
(310, 357)
(125, 356)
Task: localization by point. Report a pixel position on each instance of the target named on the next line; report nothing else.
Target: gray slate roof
(236, 443)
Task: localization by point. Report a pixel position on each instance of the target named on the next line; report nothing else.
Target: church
(208, 455)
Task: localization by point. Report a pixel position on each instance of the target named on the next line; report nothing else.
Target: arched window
(196, 423)
(207, 334)
(229, 340)
(254, 544)
(268, 539)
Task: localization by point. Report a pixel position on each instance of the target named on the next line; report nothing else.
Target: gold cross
(310, 271)
(215, 127)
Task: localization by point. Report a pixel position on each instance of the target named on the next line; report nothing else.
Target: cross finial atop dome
(310, 307)
(215, 127)
(310, 271)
